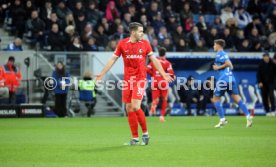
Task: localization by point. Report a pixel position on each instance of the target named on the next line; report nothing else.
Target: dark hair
(133, 26)
(220, 42)
(162, 51)
(60, 72)
(265, 54)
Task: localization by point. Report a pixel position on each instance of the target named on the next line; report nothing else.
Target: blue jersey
(226, 73)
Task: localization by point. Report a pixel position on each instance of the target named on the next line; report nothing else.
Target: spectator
(18, 15)
(91, 45)
(105, 25)
(126, 21)
(189, 95)
(178, 34)
(69, 19)
(200, 47)
(202, 26)
(111, 12)
(144, 21)
(102, 38)
(120, 34)
(245, 46)
(234, 4)
(56, 39)
(87, 87)
(189, 24)
(213, 35)
(194, 37)
(12, 77)
(75, 44)
(163, 34)
(93, 15)
(46, 11)
(155, 45)
(111, 45)
(167, 44)
(158, 22)
(61, 90)
(226, 36)
(272, 17)
(80, 23)
(206, 94)
(114, 26)
(87, 33)
(16, 45)
(256, 23)
(226, 14)
(172, 24)
(55, 20)
(265, 79)
(150, 35)
(132, 11)
(69, 34)
(62, 10)
(243, 17)
(29, 7)
(181, 46)
(255, 40)
(218, 25)
(78, 10)
(152, 12)
(185, 13)
(238, 39)
(36, 27)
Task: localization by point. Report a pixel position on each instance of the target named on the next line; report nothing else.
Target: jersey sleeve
(148, 49)
(224, 58)
(170, 69)
(118, 50)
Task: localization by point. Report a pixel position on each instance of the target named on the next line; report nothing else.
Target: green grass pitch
(98, 142)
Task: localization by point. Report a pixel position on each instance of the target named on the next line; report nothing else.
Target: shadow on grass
(102, 149)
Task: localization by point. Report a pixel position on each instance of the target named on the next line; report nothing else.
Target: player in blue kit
(226, 82)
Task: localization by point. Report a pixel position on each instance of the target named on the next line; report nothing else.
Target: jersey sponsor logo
(134, 56)
(126, 51)
(140, 92)
(140, 51)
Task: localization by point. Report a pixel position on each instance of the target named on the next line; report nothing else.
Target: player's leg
(237, 99)
(155, 100)
(272, 99)
(132, 118)
(164, 96)
(219, 91)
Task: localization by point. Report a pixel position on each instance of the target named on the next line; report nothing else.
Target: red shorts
(133, 90)
(159, 89)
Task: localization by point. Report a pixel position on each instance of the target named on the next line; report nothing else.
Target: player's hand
(261, 85)
(168, 78)
(215, 67)
(99, 77)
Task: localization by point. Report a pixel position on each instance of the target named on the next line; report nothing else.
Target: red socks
(164, 106)
(142, 120)
(133, 124)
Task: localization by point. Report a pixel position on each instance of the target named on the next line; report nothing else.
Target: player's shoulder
(124, 41)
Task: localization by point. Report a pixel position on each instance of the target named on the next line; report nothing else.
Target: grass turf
(180, 141)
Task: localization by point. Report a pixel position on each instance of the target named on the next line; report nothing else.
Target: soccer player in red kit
(135, 51)
(159, 86)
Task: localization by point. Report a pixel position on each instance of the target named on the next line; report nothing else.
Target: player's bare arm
(159, 67)
(225, 65)
(107, 67)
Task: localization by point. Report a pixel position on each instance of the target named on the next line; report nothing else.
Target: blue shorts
(230, 87)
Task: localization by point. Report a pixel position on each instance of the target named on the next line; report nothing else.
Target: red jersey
(134, 55)
(166, 66)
